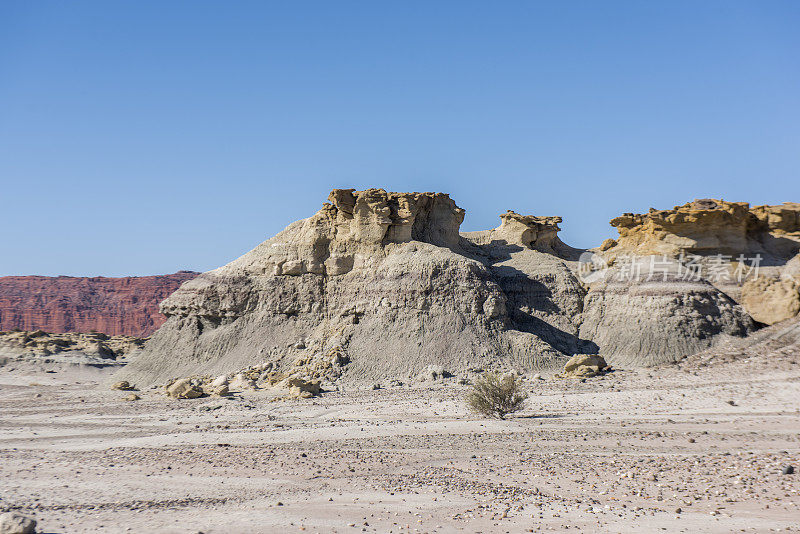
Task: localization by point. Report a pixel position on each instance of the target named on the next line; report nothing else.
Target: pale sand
(612, 454)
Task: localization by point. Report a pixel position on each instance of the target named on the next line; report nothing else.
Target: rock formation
(771, 300)
(114, 306)
(774, 297)
(527, 231)
(710, 226)
(38, 344)
(385, 282)
(642, 321)
(717, 231)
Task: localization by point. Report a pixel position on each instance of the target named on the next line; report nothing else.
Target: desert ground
(700, 446)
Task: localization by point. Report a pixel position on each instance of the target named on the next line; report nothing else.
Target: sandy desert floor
(697, 447)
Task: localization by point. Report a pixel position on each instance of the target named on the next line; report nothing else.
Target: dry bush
(496, 395)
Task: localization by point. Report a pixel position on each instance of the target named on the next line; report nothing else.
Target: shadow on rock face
(388, 279)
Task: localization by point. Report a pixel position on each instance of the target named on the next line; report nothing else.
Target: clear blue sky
(146, 137)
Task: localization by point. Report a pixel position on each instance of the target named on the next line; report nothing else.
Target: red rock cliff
(114, 306)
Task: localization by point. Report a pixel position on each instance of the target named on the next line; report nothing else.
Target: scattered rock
(132, 397)
(433, 373)
(43, 344)
(788, 470)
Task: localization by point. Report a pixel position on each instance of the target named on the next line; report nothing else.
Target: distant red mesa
(114, 306)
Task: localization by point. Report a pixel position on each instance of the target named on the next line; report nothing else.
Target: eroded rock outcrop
(723, 241)
(774, 297)
(114, 306)
(642, 322)
(771, 300)
(385, 283)
(39, 344)
(710, 226)
(526, 231)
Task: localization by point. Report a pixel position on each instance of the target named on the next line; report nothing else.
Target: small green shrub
(496, 395)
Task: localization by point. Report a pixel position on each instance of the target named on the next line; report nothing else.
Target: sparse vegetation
(496, 395)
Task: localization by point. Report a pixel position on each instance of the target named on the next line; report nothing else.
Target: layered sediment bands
(386, 281)
(114, 306)
(721, 233)
(710, 226)
(418, 305)
(641, 322)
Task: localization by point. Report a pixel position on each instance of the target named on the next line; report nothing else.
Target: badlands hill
(114, 306)
(725, 239)
(385, 285)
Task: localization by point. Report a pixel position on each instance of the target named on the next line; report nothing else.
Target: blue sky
(146, 137)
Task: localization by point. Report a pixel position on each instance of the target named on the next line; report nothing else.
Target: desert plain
(697, 446)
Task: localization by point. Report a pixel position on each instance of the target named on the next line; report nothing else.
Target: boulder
(124, 385)
(14, 523)
(298, 393)
(183, 389)
(584, 366)
(771, 300)
(607, 244)
(301, 388)
(217, 391)
(221, 380)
